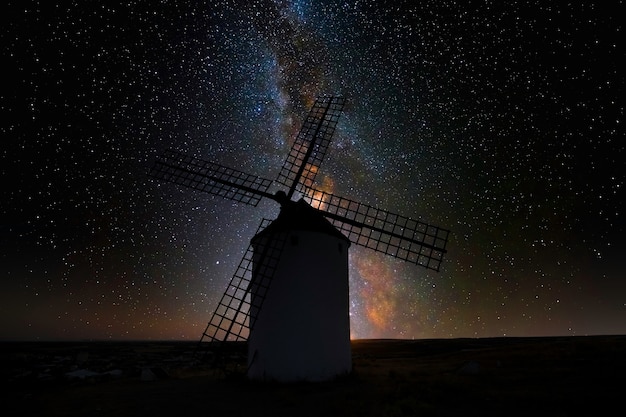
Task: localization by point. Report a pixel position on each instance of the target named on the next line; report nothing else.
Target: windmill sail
(392, 234)
(210, 177)
(237, 310)
(308, 151)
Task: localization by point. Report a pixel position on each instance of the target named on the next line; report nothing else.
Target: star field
(499, 121)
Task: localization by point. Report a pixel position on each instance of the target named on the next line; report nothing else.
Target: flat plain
(555, 376)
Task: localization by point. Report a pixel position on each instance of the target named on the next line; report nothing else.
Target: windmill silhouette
(288, 297)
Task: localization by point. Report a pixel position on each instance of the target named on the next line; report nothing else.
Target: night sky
(501, 121)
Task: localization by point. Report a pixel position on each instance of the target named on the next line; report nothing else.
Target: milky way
(501, 121)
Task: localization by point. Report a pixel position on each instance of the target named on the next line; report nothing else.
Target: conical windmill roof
(300, 215)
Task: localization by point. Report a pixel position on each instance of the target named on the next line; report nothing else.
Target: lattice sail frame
(392, 234)
(300, 167)
(235, 314)
(209, 177)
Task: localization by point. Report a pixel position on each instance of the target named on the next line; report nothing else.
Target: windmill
(288, 297)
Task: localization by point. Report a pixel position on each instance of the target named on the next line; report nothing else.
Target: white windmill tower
(289, 295)
(303, 332)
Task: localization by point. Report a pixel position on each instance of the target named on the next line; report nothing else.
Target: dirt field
(560, 376)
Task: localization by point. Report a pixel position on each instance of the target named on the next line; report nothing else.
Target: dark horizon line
(382, 339)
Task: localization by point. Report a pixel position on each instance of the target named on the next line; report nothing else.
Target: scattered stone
(469, 368)
(81, 374)
(147, 375)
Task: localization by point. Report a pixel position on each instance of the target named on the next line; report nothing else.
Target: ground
(557, 376)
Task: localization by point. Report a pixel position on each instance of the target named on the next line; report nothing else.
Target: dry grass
(558, 376)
